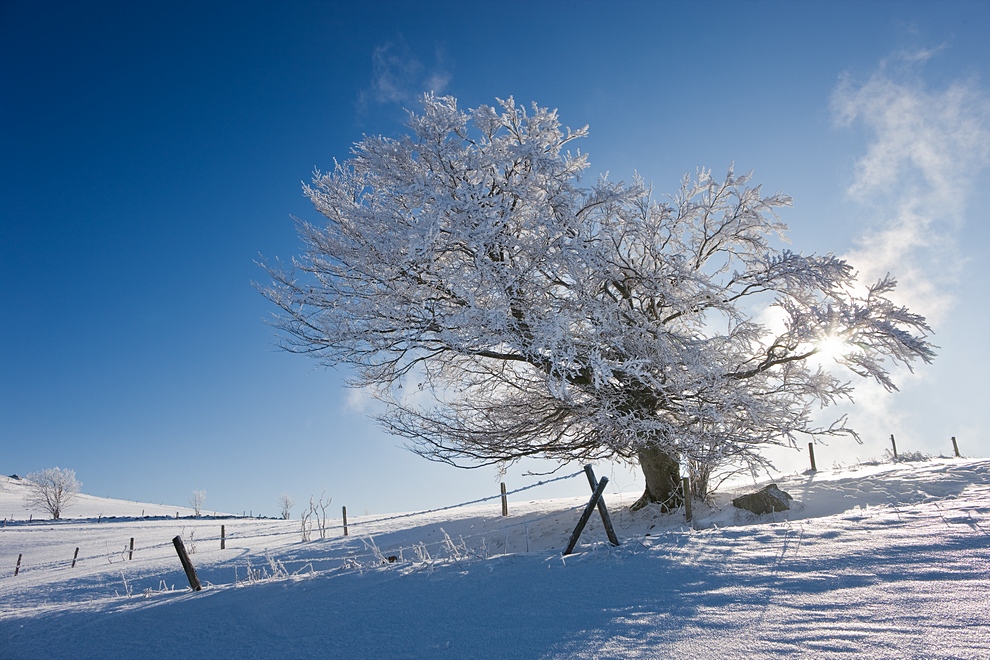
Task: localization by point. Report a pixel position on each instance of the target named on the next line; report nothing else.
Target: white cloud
(399, 76)
(360, 399)
(925, 152)
(925, 149)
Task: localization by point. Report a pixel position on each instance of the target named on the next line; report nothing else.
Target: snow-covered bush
(907, 457)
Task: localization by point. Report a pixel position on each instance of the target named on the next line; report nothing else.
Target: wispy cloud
(924, 152)
(925, 149)
(399, 76)
(360, 399)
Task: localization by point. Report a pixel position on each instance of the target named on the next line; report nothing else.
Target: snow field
(876, 561)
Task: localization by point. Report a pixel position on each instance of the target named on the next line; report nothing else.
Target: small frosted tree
(53, 489)
(501, 310)
(285, 503)
(197, 500)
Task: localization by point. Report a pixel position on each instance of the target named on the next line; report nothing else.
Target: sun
(831, 347)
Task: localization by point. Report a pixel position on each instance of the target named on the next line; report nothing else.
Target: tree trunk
(663, 478)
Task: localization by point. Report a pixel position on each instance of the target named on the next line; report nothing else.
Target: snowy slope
(876, 561)
(15, 507)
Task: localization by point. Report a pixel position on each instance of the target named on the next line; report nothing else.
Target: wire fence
(249, 535)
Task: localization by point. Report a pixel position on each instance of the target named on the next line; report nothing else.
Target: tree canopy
(501, 308)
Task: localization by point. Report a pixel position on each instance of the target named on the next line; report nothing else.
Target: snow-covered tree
(197, 500)
(53, 489)
(501, 310)
(285, 504)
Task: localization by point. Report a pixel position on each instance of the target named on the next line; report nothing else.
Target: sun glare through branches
(831, 348)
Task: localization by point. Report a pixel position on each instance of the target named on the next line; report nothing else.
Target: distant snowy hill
(14, 505)
(888, 560)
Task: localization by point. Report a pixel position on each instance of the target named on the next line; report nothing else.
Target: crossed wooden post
(598, 489)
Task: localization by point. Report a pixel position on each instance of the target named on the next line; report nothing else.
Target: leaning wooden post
(894, 445)
(187, 566)
(686, 492)
(955, 447)
(343, 510)
(17, 569)
(74, 557)
(223, 537)
(130, 554)
(811, 453)
(592, 503)
(505, 502)
(602, 509)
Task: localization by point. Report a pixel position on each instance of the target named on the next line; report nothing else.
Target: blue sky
(150, 152)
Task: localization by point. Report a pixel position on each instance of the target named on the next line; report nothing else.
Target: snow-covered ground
(889, 560)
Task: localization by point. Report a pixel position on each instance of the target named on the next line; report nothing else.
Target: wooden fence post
(955, 447)
(130, 554)
(894, 445)
(505, 502)
(686, 492)
(187, 566)
(592, 479)
(17, 569)
(811, 453)
(74, 557)
(592, 503)
(343, 510)
(223, 537)
(602, 509)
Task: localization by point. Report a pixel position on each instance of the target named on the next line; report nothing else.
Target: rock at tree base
(763, 501)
